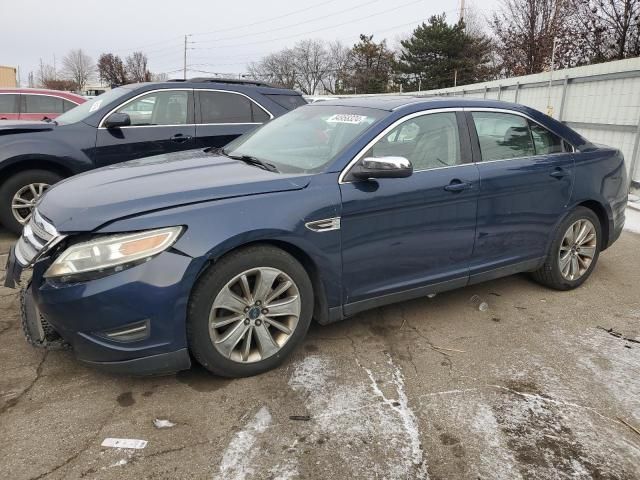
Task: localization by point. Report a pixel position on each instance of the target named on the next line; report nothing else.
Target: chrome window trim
(271, 116)
(386, 131)
(101, 123)
(524, 115)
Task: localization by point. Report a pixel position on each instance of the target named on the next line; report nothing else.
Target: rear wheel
(574, 251)
(19, 194)
(249, 311)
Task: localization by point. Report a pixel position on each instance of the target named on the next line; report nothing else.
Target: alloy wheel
(577, 249)
(254, 315)
(25, 199)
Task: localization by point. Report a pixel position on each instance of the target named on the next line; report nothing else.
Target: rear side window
(503, 136)
(222, 107)
(67, 105)
(8, 103)
(42, 104)
(288, 101)
(545, 142)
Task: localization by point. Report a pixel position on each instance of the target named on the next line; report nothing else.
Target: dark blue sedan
(327, 211)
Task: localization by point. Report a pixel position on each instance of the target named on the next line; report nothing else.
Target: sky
(224, 36)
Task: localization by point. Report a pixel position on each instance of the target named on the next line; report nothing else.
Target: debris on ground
(479, 304)
(124, 443)
(300, 418)
(158, 423)
(619, 335)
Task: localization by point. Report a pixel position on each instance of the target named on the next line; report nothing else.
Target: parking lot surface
(533, 387)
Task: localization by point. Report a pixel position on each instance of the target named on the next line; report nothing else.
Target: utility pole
(184, 74)
(455, 77)
(462, 7)
(553, 61)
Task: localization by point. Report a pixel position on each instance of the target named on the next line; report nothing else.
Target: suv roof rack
(234, 81)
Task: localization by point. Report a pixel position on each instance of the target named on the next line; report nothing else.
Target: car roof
(43, 91)
(397, 102)
(237, 86)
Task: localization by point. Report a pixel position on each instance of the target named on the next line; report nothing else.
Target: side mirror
(117, 120)
(383, 167)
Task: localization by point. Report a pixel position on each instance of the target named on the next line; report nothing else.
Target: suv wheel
(19, 194)
(574, 251)
(249, 311)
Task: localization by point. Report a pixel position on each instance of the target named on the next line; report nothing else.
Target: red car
(35, 103)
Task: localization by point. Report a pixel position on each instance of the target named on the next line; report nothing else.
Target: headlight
(111, 254)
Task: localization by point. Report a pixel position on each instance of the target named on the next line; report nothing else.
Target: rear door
(162, 121)
(526, 177)
(9, 106)
(222, 116)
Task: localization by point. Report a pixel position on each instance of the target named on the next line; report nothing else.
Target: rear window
(288, 101)
(8, 103)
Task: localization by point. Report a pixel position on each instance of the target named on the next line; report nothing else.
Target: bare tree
(278, 68)
(78, 67)
(609, 29)
(339, 56)
(312, 64)
(46, 73)
(525, 31)
(111, 70)
(159, 77)
(137, 70)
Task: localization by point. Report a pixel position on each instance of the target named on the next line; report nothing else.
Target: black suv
(125, 123)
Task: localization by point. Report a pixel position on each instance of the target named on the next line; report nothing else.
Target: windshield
(82, 111)
(307, 139)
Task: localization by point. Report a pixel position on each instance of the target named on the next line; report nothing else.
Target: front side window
(503, 136)
(42, 104)
(8, 103)
(168, 107)
(306, 139)
(221, 107)
(429, 141)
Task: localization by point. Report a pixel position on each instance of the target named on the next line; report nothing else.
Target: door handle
(180, 138)
(457, 186)
(559, 173)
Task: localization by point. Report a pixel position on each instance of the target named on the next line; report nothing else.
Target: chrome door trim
(386, 131)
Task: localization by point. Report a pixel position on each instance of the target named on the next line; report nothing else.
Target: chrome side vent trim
(325, 225)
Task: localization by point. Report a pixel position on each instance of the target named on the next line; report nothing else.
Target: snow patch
(237, 459)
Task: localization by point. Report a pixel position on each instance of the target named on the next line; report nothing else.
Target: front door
(161, 122)
(526, 173)
(404, 237)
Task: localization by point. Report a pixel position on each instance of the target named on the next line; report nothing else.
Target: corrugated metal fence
(601, 102)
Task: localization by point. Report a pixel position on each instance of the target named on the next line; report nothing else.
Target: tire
(550, 274)
(12, 185)
(207, 342)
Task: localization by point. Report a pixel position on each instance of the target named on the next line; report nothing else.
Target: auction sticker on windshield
(95, 106)
(347, 118)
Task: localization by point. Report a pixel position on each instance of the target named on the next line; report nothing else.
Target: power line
(317, 30)
(285, 27)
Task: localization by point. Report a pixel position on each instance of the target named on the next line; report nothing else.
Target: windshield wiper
(252, 161)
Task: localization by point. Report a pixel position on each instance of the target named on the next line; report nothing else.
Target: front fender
(218, 227)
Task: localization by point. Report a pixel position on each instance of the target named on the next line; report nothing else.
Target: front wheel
(249, 311)
(19, 194)
(574, 251)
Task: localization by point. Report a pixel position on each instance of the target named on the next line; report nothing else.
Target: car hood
(23, 126)
(89, 200)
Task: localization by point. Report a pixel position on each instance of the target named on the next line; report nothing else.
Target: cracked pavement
(431, 388)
